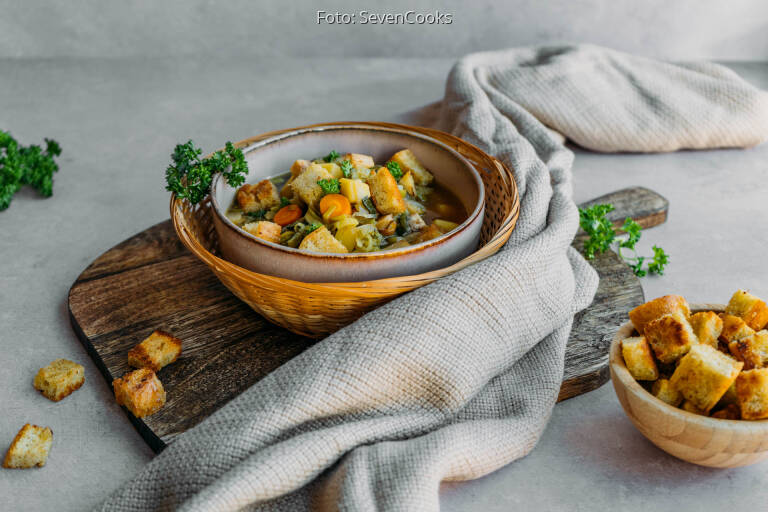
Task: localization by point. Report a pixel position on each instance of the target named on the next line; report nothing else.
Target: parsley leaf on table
(190, 177)
(26, 165)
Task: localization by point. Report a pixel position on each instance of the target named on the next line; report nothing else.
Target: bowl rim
(247, 146)
(620, 372)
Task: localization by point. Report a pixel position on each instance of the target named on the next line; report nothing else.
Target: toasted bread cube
(305, 184)
(140, 391)
(59, 379)
(265, 230)
(639, 358)
(261, 196)
(752, 394)
(729, 412)
(408, 184)
(321, 240)
(299, 166)
(752, 350)
(691, 407)
(734, 328)
(409, 163)
(354, 190)
(670, 336)
(666, 305)
(359, 161)
(664, 391)
(704, 375)
(158, 350)
(707, 326)
(729, 397)
(385, 194)
(749, 308)
(29, 448)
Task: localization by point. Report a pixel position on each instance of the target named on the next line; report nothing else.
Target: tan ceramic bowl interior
(697, 439)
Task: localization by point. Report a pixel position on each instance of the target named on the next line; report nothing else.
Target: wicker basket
(317, 309)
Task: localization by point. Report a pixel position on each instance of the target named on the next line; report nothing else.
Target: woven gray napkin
(458, 378)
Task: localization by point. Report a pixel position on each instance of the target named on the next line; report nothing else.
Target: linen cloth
(458, 378)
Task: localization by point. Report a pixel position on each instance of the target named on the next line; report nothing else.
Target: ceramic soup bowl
(273, 156)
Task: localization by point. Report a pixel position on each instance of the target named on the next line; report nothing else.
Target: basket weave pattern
(317, 309)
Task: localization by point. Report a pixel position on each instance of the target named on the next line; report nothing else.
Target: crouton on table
(670, 336)
(409, 163)
(385, 193)
(749, 308)
(140, 391)
(704, 375)
(639, 358)
(707, 326)
(265, 230)
(261, 196)
(59, 379)
(29, 448)
(651, 310)
(752, 394)
(321, 240)
(158, 350)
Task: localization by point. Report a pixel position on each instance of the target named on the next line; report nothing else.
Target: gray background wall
(685, 29)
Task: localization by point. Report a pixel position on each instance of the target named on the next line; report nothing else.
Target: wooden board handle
(645, 206)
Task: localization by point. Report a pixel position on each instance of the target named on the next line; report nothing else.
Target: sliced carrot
(338, 202)
(288, 214)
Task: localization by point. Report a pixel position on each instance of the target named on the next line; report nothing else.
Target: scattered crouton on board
(140, 391)
(158, 350)
(29, 448)
(59, 379)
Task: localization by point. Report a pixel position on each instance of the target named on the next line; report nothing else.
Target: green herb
(368, 203)
(257, 215)
(310, 228)
(190, 177)
(395, 170)
(330, 157)
(26, 165)
(329, 186)
(284, 201)
(346, 168)
(602, 235)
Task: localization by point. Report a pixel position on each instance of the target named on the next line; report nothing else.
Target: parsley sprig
(602, 236)
(330, 157)
(26, 165)
(190, 176)
(331, 186)
(346, 168)
(395, 170)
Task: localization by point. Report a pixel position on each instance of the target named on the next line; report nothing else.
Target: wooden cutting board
(150, 281)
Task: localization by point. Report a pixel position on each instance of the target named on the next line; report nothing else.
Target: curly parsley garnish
(395, 170)
(329, 186)
(330, 157)
(346, 168)
(602, 235)
(190, 177)
(26, 165)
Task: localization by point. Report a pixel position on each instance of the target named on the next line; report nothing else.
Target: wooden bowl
(693, 438)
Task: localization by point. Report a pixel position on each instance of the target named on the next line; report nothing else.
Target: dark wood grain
(151, 282)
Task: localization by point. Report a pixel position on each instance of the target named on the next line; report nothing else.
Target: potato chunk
(354, 190)
(140, 391)
(651, 310)
(261, 196)
(409, 163)
(306, 187)
(29, 448)
(704, 375)
(639, 358)
(158, 350)
(749, 308)
(385, 194)
(752, 394)
(670, 336)
(321, 240)
(265, 230)
(59, 379)
(707, 326)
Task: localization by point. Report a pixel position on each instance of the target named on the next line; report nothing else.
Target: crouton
(59, 379)
(416, 222)
(734, 328)
(670, 336)
(639, 359)
(668, 304)
(385, 194)
(729, 412)
(663, 390)
(299, 166)
(408, 184)
(707, 326)
(728, 398)
(265, 230)
(158, 350)
(752, 394)
(305, 184)
(409, 163)
(387, 225)
(321, 240)
(749, 308)
(140, 391)
(359, 161)
(29, 448)
(354, 190)
(704, 375)
(691, 407)
(752, 350)
(261, 196)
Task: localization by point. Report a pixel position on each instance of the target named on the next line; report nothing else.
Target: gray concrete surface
(118, 120)
(682, 29)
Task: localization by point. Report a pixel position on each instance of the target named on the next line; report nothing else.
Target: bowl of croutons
(693, 378)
